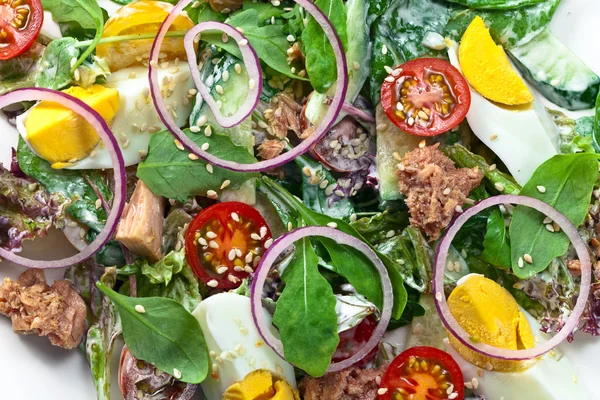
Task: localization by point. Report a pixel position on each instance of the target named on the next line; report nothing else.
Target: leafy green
(508, 27)
(163, 270)
(496, 4)
(496, 247)
(264, 10)
(320, 60)
(376, 228)
(307, 301)
(72, 184)
(597, 123)
(568, 181)
(56, 64)
(176, 337)
(574, 136)
(290, 208)
(169, 172)
(19, 72)
(463, 158)
(87, 13)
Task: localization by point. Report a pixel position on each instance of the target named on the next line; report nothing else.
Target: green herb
(375, 229)
(176, 337)
(307, 301)
(268, 41)
(320, 59)
(289, 208)
(170, 173)
(56, 72)
(163, 270)
(496, 247)
(72, 184)
(265, 11)
(575, 136)
(508, 27)
(566, 183)
(496, 4)
(87, 13)
(19, 72)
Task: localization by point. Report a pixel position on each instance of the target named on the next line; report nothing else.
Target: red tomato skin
(415, 68)
(355, 338)
(444, 359)
(24, 39)
(220, 211)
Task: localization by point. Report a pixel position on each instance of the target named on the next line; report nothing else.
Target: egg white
(136, 119)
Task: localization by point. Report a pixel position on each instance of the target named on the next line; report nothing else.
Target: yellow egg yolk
(487, 68)
(490, 315)
(61, 136)
(261, 385)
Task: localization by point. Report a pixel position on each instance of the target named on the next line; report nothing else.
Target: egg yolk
(61, 136)
(490, 315)
(261, 385)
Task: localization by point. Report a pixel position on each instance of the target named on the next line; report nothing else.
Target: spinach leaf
(320, 60)
(56, 64)
(290, 207)
(496, 247)
(307, 301)
(19, 72)
(496, 4)
(264, 10)
(568, 181)
(72, 184)
(510, 28)
(177, 341)
(169, 172)
(269, 41)
(376, 229)
(87, 13)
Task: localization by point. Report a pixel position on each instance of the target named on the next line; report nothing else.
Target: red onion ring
(281, 244)
(440, 264)
(251, 61)
(358, 113)
(320, 131)
(102, 129)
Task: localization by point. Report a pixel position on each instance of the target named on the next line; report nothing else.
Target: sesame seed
(221, 270)
(225, 38)
(268, 243)
(233, 279)
(468, 385)
(212, 244)
(237, 268)
(447, 191)
(290, 38)
(384, 49)
(219, 89)
(475, 383)
(290, 226)
(98, 204)
(493, 136)
(382, 391)
(399, 106)
(263, 231)
(248, 269)
(453, 396)
(205, 146)
(211, 194)
(492, 167)
(255, 236)
(541, 189)
(143, 153)
(450, 389)
(251, 83)
(178, 145)
(293, 70)
(238, 69)
(389, 79)
(356, 65)
(225, 183)
(549, 228)
(401, 167)
(397, 72)
(438, 296)
(225, 76)
(194, 129)
(176, 373)
(192, 156)
(154, 64)
(411, 121)
(528, 258)
(276, 3)
(76, 74)
(196, 4)
(422, 144)
(520, 262)
(235, 217)
(390, 234)
(207, 131)
(458, 209)
(332, 225)
(231, 255)
(209, 168)
(499, 187)
(243, 42)
(339, 193)
(140, 309)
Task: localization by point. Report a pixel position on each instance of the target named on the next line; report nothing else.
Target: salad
(264, 195)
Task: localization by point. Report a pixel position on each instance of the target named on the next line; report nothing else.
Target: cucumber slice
(389, 141)
(557, 73)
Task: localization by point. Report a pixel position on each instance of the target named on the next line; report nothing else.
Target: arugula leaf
(56, 61)
(569, 181)
(496, 249)
(289, 206)
(510, 28)
(176, 337)
(170, 173)
(496, 4)
(87, 13)
(269, 42)
(320, 60)
(71, 184)
(307, 301)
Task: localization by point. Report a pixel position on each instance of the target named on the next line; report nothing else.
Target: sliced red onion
(102, 129)
(440, 264)
(358, 113)
(247, 108)
(285, 241)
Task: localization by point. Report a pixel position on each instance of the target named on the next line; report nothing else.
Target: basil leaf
(307, 303)
(320, 59)
(569, 181)
(170, 173)
(56, 61)
(496, 249)
(496, 4)
(87, 13)
(166, 335)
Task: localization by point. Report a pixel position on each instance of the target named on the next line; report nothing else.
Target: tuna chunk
(141, 225)
(56, 311)
(434, 188)
(349, 384)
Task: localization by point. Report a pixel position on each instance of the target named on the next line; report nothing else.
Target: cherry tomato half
(425, 97)
(224, 243)
(20, 24)
(423, 373)
(354, 339)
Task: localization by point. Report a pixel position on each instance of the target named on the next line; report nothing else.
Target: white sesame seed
(499, 187)
(468, 385)
(263, 231)
(212, 283)
(389, 79)
(225, 183)
(178, 145)
(332, 225)
(541, 189)
(438, 296)
(492, 167)
(224, 38)
(211, 235)
(231, 255)
(520, 262)
(222, 270)
(238, 69)
(411, 121)
(207, 131)
(243, 42)
(453, 396)
(382, 391)
(528, 258)
(447, 191)
(255, 236)
(390, 234)
(356, 65)
(458, 209)
(233, 279)
(205, 146)
(384, 49)
(475, 383)
(219, 89)
(388, 69)
(493, 136)
(196, 4)
(194, 129)
(268, 243)
(422, 144)
(290, 38)
(98, 204)
(192, 156)
(450, 389)
(209, 168)
(211, 194)
(212, 244)
(251, 83)
(140, 309)
(176, 373)
(237, 268)
(235, 217)
(339, 193)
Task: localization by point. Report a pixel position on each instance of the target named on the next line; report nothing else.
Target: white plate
(32, 369)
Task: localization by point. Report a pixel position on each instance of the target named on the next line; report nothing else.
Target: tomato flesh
(224, 243)
(354, 339)
(422, 373)
(20, 24)
(425, 97)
